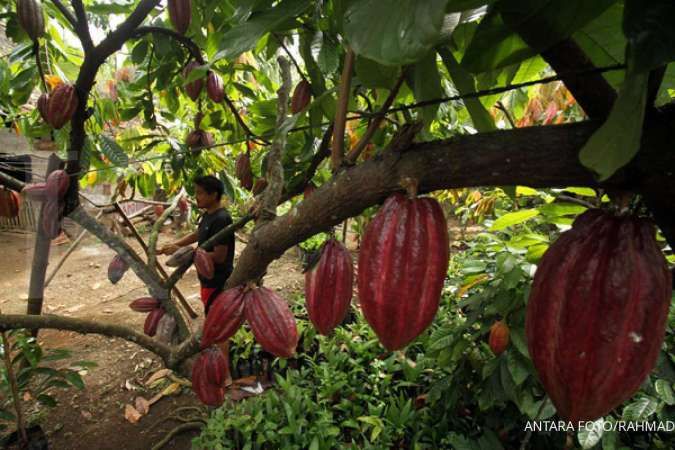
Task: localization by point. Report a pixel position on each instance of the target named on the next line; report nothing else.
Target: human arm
(169, 249)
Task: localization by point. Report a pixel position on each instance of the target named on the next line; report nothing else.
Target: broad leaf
(591, 435)
(394, 32)
(427, 85)
(513, 218)
(665, 391)
(618, 139)
(640, 409)
(374, 75)
(648, 25)
(113, 151)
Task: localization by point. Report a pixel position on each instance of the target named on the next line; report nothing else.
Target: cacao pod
(214, 365)
(183, 205)
(214, 87)
(225, 316)
(193, 88)
(402, 265)
(62, 104)
(9, 204)
(499, 337)
(180, 256)
(152, 320)
(271, 321)
(165, 329)
(198, 139)
(116, 269)
(209, 393)
(145, 304)
(597, 313)
(309, 189)
(30, 17)
(180, 14)
(43, 106)
(57, 184)
(328, 287)
(243, 171)
(259, 186)
(52, 213)
(301, 96)
(35, 192)
(159, 210)
(203, 263)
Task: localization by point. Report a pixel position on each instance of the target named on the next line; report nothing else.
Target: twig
(38, 62)
(341, 111)
(15, 389)
(500, 106)
(275, 171)
(290, 55)
(242, 124)
(353, 155)
(179, 429)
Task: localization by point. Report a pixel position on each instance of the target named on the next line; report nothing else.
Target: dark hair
(211, 184)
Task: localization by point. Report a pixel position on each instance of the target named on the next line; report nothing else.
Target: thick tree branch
(82, 27)
(593, 93)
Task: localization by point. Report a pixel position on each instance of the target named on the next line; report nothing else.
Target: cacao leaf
(649, 29)
(513, 218)
(640, 409)
(112, 150)
(589, 436)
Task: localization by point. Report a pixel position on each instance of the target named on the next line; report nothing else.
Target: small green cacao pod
(31, 18)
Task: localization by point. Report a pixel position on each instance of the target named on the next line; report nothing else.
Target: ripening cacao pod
(243, 171)
(62, 105)
(145, 304)
(259, 186)
(309, 190)
(203, 263)
(271, 321)
(30, 17)
(183, 205)
(402, 265)
(214, 87)
(180, 257)
(209, 393)
(328, 287)
(499, 337)
(159, 210)
(180, 13)
(301, 96)
(9, 204)
(214, 365)
(152, 320)
(43, 106)
(224, 318)
(199, 138)
(52, 213)
(35, 192)
(597, 312)
(57, 184)
(193, 88)
(116, 269)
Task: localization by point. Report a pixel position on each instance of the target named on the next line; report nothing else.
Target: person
(208, 193)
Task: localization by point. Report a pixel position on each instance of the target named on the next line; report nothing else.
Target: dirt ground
(95, 417)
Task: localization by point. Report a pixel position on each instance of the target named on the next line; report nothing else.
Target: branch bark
(82, 26)
(66, 13)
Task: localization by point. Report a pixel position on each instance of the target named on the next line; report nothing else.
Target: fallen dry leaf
(161, 373)
(142, 405)
(131, 414)
(171, 389)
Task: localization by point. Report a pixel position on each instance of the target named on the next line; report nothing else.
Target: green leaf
(513, 218)
(7, 415)
(617, 141)
(427, 85)
(518, 369)
(463, 5)
(244, 36)
(394, 32)
(46, 400)
(589, 436)
(561, 209)
(648, 25)
(139, 52)
(640, 409)
(75, 379)
(665, 391)
(374, 75)
(113, 151)
(329, 56)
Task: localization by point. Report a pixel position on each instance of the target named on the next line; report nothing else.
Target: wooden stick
(191, 312)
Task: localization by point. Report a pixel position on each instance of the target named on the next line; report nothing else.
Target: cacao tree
(347, 101)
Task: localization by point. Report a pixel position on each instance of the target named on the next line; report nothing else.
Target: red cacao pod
(35, 192)
(499, 337)
(9, 204)
(243, 171)
(214, 365)
(203, 263)
(301, 96)
(145, 304)
(152, 320)
(31, 19)
(52, 213)
(209, 393)
(402, 265)
(159, 210)
(116, 269)
(62, 104)
(309, 190)
(43, 106)
(225, 316)
(597, 313)
(271, 321)
(328, 287)
(259, 186)
(180, 14)
(57, 184)
(214, 87)
(193, 88)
